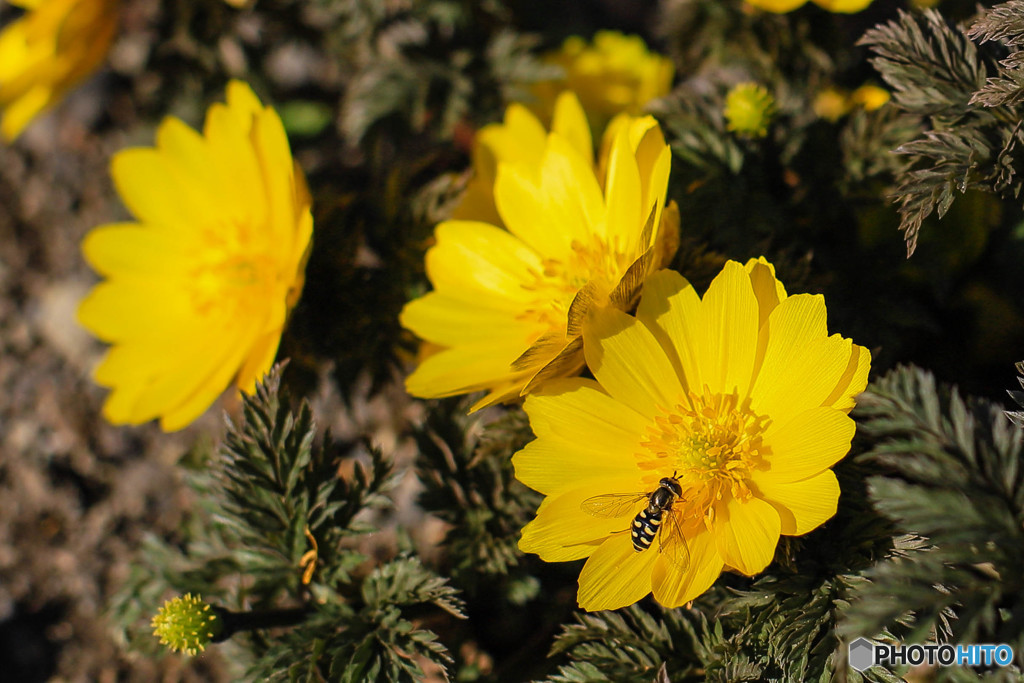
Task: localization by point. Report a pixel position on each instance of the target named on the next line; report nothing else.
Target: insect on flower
(650, 521)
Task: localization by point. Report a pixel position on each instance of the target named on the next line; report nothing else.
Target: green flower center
(711, 443)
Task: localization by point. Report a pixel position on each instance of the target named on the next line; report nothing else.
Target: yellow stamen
(232, 272)
(711, 443)
(594, 260)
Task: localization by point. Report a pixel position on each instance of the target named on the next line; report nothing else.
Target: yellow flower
(832, 103)
(871, 97)
(509, 298)
(741, 397)
(47, 52)
(198, 290)
(616, 74)
(749, 109)
(783, 6)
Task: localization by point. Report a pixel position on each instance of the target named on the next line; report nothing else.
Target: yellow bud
(749, 109)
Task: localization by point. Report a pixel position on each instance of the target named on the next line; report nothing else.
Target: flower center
(711, 443)
(232, 274)
(557, 285)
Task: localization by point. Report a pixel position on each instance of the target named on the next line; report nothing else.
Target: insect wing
(612, 504)
(672, 542)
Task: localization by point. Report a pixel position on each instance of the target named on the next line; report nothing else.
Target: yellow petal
(185, 150)
(746, 533)
(233, 157)
(570, 122)
(670, 308)
(477, 203)
(138, 310)
(569, 189)
(843, 6)
(242, 102)
(727, 334)
(133, 250)
(581, 431)
(473, 260)
(804, 383)
(562, 531)
(673, 588)
(777, 6)
(158, 192)
(802, 505)
(519, 140)
(448, 321)
(259, 360)
(805, 446)
(21, 112)
(794, 323)
(525, 213)
(615, 575)
(853, 381)
(623, 195)
(192, 379)
(195, 403)
(579, 410)
(767, 288)
(275, 166)
(464, 369)
(629, 363)
(654, 161)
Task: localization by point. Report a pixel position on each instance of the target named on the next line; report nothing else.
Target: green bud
(186, 624)
(749, 109)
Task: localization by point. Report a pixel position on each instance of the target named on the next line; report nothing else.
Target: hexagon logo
(862, 654)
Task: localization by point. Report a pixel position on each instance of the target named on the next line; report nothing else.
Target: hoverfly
(650, 521)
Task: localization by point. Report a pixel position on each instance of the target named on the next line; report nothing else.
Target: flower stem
(234, 622)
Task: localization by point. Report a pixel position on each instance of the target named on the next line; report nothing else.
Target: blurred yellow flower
(733, 408)
(198, 290)
(838, 6)
(615, 74)
(510, 295)
(871, 97)
(47, 52)
(749, 109)
(832, 103)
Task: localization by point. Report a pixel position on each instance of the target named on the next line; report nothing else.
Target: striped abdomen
(645, 528)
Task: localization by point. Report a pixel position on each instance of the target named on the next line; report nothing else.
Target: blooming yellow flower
(509, 298)
(48, 51)
(615, 74)
(198, 290)
(783, 6)
(741, 397)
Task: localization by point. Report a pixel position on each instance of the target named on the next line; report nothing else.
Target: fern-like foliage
(953, 476)
(278, 528)
(1017, 415)
(374, 638)
(469, 483)
(971, 124)
(630, 645)
(283, 498)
